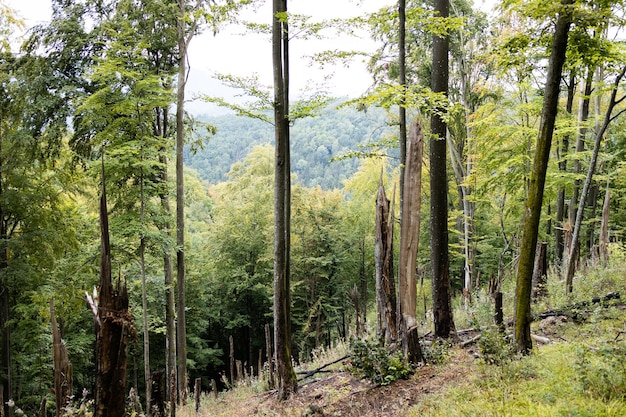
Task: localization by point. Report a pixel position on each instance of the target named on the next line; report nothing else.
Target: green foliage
(495, 347)
(601, 372)
(372, 361)
(437, 352)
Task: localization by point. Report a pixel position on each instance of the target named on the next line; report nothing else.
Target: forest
(147, 254)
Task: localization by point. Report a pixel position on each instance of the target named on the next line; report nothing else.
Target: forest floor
(342, 394)
(577, 368)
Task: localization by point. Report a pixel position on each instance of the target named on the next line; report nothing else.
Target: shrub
(601, 372)
(373, 362)
(436, 352)
(495, 348)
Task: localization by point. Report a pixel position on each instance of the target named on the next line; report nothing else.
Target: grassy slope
(582, 372)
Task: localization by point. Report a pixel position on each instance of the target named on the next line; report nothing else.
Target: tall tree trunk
(439, 258)
(114, 326)
(162, 129)
(385, 280)
(559, 245)
(608, 118)
(170, 301)
(409, 244)
(6, 374)
(144, 302)
(287, 382)
(534, 202)
(181, 328)
(402, 79)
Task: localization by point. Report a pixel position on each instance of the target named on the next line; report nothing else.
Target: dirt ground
(341, 394)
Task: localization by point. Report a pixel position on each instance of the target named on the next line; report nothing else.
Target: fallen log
(540, 339)
(571, 311)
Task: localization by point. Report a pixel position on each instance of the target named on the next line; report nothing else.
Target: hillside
(315, 141)
(576, 370)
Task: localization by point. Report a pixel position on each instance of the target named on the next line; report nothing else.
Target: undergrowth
(373, 362)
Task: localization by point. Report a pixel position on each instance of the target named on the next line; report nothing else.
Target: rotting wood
(196, 392)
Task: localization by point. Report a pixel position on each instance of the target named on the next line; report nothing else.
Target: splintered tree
(537, 181)
(383, 254)
(114, 328)
(287, 382)
(409, 243)
(62, 366)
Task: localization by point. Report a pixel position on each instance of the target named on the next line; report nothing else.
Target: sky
(245, 55)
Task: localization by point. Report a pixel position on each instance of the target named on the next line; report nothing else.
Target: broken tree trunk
(62, 366)
(383, 252)
(114, 327)
(409, 243)
(540, 271)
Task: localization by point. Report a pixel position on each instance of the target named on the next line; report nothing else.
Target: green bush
(373, 362)
(436, 352)
(495, 348)
(601, 372)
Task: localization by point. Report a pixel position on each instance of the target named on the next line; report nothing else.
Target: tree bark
(385, 280)
(287, 382)
(534, 201)
(439, 257)
(170, 301)
(161, 126)
(402, 107)
(540, 271)
(62, 367)
(114, 326)
(409, 244)
(181, 328)
(604, 226)
(144, 303)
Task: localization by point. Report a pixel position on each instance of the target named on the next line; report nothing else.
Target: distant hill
(314, 141)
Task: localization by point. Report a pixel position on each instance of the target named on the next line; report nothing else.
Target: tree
(608, 118)
(440, 264)
(287, 383)
(385, 280)
(537, 180)
(184, 37)
(409, 244)
(114, 327)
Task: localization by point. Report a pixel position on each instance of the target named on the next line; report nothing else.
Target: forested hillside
(478, 185)
(322, 145)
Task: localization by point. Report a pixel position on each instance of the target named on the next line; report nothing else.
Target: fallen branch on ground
(308, 374)
(470, 341)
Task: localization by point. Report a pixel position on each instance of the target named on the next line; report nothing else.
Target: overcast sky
(232, 52)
